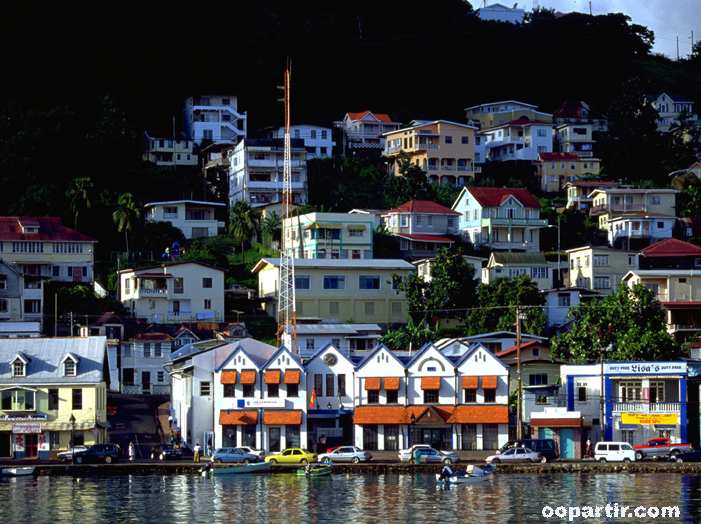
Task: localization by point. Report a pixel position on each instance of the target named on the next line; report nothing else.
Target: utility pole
(601, 396)
(519, 430)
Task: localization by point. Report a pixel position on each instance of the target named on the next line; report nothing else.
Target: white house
(318, 141)
(196, 219)
(142, 359)
(214, 117)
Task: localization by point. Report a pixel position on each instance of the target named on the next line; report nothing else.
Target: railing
(679, 327)
(638, 407)
(170, 215)
(179, 313)
(148, 291)
(616, 208)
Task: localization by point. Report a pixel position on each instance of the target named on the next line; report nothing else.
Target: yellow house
(600, 268)
(554, 170)
(494, 114)
(339, 290)
(612, 203)
(53, 391)
(444, 150)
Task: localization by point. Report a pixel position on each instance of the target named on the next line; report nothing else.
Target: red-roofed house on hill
(554, 170)
(42, 247)
(420, 226)
(505, 219)
(363, 131)
(575, 123)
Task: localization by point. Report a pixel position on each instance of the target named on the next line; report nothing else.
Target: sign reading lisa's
(613, 368)
(648, 418)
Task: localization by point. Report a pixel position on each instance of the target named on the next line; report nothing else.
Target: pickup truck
(659, 447)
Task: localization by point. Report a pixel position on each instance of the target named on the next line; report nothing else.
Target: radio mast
(287, 315)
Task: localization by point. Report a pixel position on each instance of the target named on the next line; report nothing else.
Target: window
(654, 201)
(273, 390)
(161, 375)
(208, 303)
(310, 343)
(229, 390)
(334, 282)
(369, 282)
(373, 397)
(77, 401)
(157, 350)
(542, 149)
(313, 133)
(323, 135)
(404, 221)
(56, 271)
(396, 308)
(563, 299)
(205, 389)
(69, 368)
(490, 395)
(292, 390)
(537, 379)
(18, 368)
(627, 435)
(330, 389)
(541, 132)
(248, 390)
(430, 396)
(539, 272)
(303, 282)
(470, 395)
(207, 282)
(630, 391)
(392, 396)
(53, 399)
(448, 139)
(466, 140)
(369, 308)
(334, 308)
(342, 385)
(601, 260)
(418, 220)
(32, 306)
(147, 349)
(318, 385)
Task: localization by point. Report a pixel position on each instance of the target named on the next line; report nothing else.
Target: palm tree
(272, 225)
(79, 194)
(244, 220)
(126, 216)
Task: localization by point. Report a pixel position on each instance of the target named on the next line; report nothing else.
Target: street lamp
(328, 406)
(559, 267)
(72, 422)
(411, 427)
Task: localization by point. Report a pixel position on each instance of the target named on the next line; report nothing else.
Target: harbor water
(272, 498)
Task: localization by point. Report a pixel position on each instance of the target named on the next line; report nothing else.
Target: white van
(614, 451)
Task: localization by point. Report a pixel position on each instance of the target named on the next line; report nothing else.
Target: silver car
(67, 456)
(525, 455)
(233, 455)
(260, 453)
(407, 455)
(346, 454)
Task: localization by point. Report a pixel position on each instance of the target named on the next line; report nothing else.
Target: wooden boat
(473, 475)
(316, 470)
(17, 472)
(237, 469)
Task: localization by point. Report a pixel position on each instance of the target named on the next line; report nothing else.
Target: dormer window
(69, 368)
(18, 368)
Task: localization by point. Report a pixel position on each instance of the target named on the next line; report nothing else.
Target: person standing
(197, 450)
(588, 453)
(131, 450)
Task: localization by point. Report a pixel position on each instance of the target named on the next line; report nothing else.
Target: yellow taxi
(292, 456)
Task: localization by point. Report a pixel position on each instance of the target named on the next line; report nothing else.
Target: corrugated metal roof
(46, 355)
(336, 329)
(518, 258)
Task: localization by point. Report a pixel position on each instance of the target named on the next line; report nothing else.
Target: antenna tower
(286, 315)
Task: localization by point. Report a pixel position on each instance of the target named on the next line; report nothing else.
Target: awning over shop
(470, 382)
(430, 383)
(356, 227)
(322, 225)
(664, 426)
(292, 376)
(372, 383)
(237, 418)
(274, 418)
(392, 383)
(556, 422)
(489, 382)
(380, 415)
(272, 377)
(5, 426)
(483, 414)
(228, 377)
(66, 426)
(248, 377)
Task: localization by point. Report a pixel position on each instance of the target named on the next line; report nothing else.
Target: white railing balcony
(665, 407)
(170, 215)
(180, 314)
(431, 168)
(627, 407)
(653, 407)
(433, 146)
(149, 291)
(448, 168)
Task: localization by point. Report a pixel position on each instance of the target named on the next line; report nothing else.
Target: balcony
(152, 292)
(639, 407)
(616, 208)
(514, 222)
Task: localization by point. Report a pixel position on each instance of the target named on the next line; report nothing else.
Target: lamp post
(328, 406)
(72, 422)
(411, 427)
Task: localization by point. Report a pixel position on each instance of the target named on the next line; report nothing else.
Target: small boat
(473, 475)
(237, 469)
(17, 472)
(316, 470)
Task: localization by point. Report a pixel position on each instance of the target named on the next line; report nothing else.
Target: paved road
(135, 421)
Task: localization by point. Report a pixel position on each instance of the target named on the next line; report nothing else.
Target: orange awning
(292, 376)
(470, 382)
(392, 383)
(248, 377)
(556, 422)
(431, 383)
(228, 377)
(489, 382)
(372, 383)
(380, 415)
(272, 377)
(483, 414)
(282, 417)
(238, 418)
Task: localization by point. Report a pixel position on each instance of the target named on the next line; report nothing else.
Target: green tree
(272, 225)
(497, 303)
(126, 216)
(412, 336)
(244, 220)
(79, 194)
(411, 184)
(629, 325)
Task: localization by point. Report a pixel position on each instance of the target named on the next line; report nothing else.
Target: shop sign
(20, 428)
(261, 403)
(649, 418)
(42, 417)
(644, 367)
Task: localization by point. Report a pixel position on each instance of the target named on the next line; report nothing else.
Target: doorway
(31, 445)
(274, 439)
(146, 381)
(567, 442)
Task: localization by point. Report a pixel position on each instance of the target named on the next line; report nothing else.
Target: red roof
(382, 117)
(496, 196)
(671, 247)
(151, 336)
(549, 157)
(512, 349)
(50, 229)
(421, 206)
(426, 238)
(483, 414)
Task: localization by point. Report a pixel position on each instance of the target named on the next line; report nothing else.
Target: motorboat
(316, 470)
(473, 475)
(236, 469)
(17, 472)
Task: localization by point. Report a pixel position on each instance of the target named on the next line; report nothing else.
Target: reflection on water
(349, 498)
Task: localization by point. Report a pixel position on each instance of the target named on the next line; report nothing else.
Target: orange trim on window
(489, 382)
(372, 383)
(248, 377)
(228, 377)
(431, 383)
(392, 383)
(470, 382)
(292, 376)
(272, 377)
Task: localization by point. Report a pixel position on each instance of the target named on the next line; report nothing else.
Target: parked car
(547, 447)
(407, 455)
(524, 455)
(292, 456)
(106, 453)
(233, 455)
(66, 456)
(659, 447)
(260, 453)
(693, 455)
(614, 451)
(346, 454)
(165, 451)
